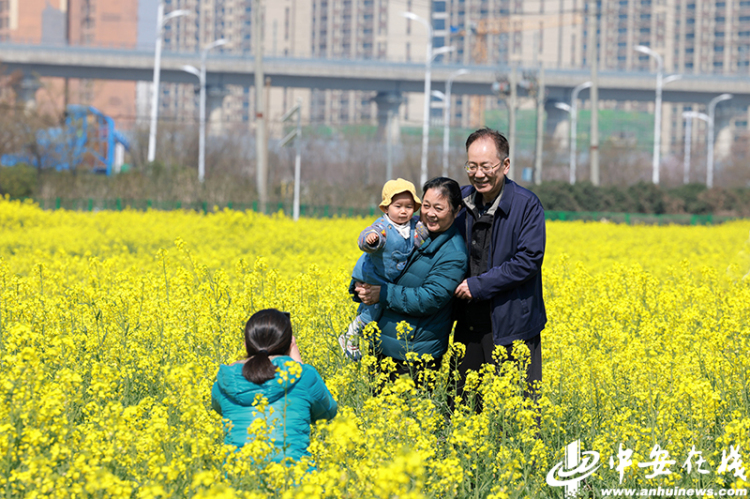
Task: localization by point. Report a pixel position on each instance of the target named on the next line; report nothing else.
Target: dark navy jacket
(513, 281)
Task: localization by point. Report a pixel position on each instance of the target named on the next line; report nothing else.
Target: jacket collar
(503, 201)
(431, 246)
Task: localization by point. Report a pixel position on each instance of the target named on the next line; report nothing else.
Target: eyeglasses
(472, 167)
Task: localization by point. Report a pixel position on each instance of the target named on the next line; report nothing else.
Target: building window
(286, 24)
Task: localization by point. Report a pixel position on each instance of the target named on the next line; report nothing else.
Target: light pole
(689, 115)
(261, 139)
(711, 120)
(573, 110)
(431, 54)
(295, 135)
(660, 82)
(202, 105)
(161, 21)
(447, 116)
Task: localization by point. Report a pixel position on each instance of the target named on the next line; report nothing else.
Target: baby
(387, 245)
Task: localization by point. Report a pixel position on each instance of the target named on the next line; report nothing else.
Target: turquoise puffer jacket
(296, 405)
(423, 297)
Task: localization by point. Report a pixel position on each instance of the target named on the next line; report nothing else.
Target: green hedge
(694, 199)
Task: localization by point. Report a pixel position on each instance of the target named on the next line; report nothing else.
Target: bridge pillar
(558, 123)
(388, 101)
(26, 90)
(215, 95)
(723, 133)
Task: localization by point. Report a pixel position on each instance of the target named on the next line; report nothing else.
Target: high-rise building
(692, 36)
(366, 29)
(107, 23)
(340, 29)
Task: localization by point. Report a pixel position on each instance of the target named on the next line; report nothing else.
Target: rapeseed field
(112, 327)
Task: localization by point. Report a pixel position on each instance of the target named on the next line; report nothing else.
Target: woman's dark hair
(268, 332)
(448, 188)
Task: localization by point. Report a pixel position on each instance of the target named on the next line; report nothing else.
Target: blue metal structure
(87, 140)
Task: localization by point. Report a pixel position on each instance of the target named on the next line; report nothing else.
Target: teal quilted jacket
(296, 405)
(423, 297)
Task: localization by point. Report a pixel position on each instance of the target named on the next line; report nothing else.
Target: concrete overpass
(375, 76)
(388, 80)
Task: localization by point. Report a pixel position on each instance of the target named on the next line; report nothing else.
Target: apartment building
(105, 23)
(692, 36)
(366, 29)
(340, 29)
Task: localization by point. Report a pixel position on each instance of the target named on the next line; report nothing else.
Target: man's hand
(462, 291)
(371, 238)
(368, 293)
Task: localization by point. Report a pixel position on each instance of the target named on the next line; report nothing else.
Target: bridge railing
(331, 211)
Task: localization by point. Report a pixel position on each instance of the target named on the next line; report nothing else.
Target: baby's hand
(371, 238)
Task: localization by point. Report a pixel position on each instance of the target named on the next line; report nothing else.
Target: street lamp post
(431, 54)
(689, 115)
(202, 105)
(572, 109)
(660, 82)
(447, 116)
(711, 120)
(161, 21)
(295, 135)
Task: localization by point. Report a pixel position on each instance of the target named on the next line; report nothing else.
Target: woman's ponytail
(268, 332)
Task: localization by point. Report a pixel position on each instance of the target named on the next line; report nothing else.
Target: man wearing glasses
(503, 224)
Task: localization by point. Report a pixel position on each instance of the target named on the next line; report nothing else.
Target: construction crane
(513, 23)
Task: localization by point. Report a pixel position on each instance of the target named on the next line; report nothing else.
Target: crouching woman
(273, 369)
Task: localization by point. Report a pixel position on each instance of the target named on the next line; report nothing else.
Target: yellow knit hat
(393, 187)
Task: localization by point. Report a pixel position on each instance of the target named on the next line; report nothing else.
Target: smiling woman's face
(437, 213)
